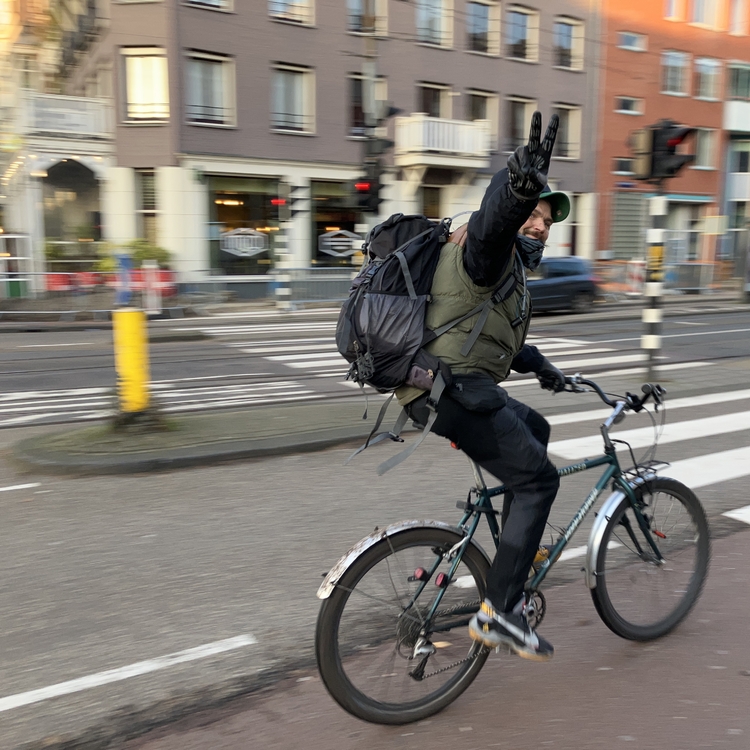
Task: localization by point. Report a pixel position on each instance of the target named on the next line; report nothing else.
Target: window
(568, 143)
(483, 105)
(358, 21)
(26, 65)
(146, 87)
(674, 72)
(632, 41)
(739, 82)
(568, 44)
(741, 161)
(431, 202)
(434, 100)
(628, 105)
(145, 185)
(483, 27)
(622, 165)
(522, 40)
(518, 120)
(292, 102)
(356, 102)
(213, 4)
(703, 12)
(705, 149)
(738, 17)
(707, 71)
(295, 11)
(433, 23)
(210, 90)
(672, 11)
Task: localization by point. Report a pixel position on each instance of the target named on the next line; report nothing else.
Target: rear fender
(347, 560)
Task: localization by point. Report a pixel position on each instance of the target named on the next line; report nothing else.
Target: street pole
(652, 312)
(283, 269)
(129, 327)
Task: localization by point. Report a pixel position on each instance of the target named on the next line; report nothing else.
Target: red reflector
(278, 201)
(441, 580)
(454, 446)
(659, 534)
(420, 574)
(362, 186)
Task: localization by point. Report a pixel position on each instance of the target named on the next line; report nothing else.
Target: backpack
(381, 327)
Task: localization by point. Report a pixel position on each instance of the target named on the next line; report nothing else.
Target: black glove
(550, 378)
(528, 165)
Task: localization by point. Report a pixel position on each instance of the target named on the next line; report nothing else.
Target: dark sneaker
(495, 629)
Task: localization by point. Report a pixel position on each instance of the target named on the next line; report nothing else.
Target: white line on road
(740, 514)
(718, 332)
(641, 437)
(19, 487)
(39, 346)
(564, 364)
(124, 673)
(711, 468)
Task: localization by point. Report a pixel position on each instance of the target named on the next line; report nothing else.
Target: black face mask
(530, 251)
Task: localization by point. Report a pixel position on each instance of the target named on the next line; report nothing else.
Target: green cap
(559, 203)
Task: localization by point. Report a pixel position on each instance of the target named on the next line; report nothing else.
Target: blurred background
(226, 139)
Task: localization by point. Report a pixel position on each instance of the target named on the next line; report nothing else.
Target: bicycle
(399, 651)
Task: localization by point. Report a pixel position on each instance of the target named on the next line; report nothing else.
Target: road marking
(740, 514)
(599, 361)
(289, 357)
(642, 437)
(39, 346)
(718, 332)
(125, 673)
(19, 487)
(711, 468)
(680, 403)
(688, 323)
(338, 362)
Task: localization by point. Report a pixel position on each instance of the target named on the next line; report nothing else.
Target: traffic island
(197, 440)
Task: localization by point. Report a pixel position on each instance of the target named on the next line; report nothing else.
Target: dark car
(563, 284)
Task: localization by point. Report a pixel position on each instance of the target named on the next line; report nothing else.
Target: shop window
(333, 221)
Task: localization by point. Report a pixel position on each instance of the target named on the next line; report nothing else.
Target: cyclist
(504, 436)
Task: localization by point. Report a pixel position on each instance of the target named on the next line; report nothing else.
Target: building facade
(218, 104)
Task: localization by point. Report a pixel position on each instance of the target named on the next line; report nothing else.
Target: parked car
(563, 284)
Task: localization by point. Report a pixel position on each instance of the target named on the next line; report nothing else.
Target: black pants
(511, 444)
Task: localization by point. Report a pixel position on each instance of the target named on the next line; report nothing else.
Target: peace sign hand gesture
(528, 165)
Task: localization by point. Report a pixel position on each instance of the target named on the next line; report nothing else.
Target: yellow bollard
(129, 327)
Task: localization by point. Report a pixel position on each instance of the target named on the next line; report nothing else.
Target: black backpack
(381, 328)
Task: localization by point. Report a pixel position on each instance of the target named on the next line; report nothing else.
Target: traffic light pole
(653, 312)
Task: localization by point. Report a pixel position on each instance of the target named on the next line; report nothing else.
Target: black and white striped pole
(652, 311)
(283, 256)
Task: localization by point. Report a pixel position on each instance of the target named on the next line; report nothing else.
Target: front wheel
(641, 595)
(381, 655)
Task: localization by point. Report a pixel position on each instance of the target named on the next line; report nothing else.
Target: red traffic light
(362, 186)
(278, 201)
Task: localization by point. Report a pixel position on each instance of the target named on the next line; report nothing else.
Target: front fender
(597, 530)
(346, 560)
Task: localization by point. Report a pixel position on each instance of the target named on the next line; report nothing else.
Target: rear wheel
(379, 655)
(638, 595)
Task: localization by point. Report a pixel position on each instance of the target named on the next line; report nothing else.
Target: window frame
(381, 96)
(632, 47)
(308, 114)
(228, 83)
(532, 33)
(578, 37)
(575, 112)
(623, 172)
(685, 75)
(306, 18)
(494, 36)
(712, 63)
(218, 6)
(492, 108)
(141, 52)
(142, 212)
(711, 133)
(733, 67)
(381, 19)
(446, 24)
(710, 12)
(446, 99)
(631, 112)
(530, 105)
(677, 6)
(738, 17)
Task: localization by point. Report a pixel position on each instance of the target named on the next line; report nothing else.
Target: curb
(31, 454)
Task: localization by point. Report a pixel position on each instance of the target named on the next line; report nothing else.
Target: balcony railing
(66, 116)
(420, 134)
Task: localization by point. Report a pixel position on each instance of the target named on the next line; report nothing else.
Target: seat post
(478, 478)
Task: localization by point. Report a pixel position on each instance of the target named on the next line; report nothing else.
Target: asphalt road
(129, 600)
(261, 358)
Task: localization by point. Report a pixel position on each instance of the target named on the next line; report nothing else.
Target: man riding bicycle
(507, 438)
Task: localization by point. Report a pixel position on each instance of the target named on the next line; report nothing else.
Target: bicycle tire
(624, 575)
(342, 656)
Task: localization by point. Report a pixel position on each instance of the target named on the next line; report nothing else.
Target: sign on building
(244, 243)
(340, 243)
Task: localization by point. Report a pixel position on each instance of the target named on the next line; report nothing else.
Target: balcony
(737, 116)
(437, 142)
(738, 186)
(53, 116)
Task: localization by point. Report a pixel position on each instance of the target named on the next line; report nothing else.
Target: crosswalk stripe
(599, 361)
(710, 468)
(644, 436)
(740, 514)
(298, 357)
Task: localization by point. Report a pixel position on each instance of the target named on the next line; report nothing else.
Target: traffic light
(642, 145)
(367, 189)
(666, 162)
(291, 201)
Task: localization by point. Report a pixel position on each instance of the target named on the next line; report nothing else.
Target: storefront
(334, 242)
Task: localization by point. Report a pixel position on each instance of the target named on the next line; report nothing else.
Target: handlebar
(633, 402)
